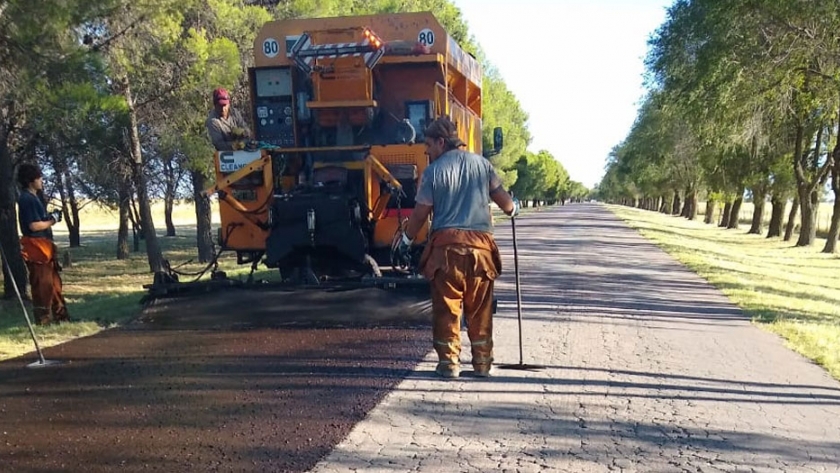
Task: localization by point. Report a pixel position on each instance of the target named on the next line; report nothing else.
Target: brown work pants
(464, 286)
(47, 299)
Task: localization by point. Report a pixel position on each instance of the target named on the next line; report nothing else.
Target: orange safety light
(375, 41)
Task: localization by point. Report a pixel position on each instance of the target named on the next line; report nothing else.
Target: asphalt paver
(648, 368)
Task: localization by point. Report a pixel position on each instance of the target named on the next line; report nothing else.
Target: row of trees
(744, 101)
(110, 97)
(541, 178)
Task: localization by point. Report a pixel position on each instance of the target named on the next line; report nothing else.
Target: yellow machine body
(339, 106)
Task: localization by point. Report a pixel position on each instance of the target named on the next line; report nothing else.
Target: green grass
(790, 291)
(101, 291)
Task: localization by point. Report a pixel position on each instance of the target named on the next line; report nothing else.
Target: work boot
(448, 370)
(42, 317)
(483, 371)
(61, 316)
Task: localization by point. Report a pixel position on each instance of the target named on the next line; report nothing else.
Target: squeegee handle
(518, 291)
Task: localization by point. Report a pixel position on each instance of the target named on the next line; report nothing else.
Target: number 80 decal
(426, 37)
(271, 47)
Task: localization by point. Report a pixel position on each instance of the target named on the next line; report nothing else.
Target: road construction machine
(339, 106)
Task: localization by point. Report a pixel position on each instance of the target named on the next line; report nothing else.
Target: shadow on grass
(769, 315)
(103, 309)
(690, 233)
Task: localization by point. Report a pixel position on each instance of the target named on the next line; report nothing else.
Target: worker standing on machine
(461, 259)
(227, 129)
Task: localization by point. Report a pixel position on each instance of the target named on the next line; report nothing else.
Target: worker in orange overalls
(461, 259)
(38, 249)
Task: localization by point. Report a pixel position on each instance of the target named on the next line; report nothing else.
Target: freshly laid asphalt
(646, 368)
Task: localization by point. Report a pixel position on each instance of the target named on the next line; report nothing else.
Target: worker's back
(457, 185)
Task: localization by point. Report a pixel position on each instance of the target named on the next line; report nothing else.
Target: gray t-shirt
(457, 185)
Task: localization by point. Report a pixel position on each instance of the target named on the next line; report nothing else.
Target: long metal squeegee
(387, 283)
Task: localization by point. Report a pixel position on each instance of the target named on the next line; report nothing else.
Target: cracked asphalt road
(648, 368)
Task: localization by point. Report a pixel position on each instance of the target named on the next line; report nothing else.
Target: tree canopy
(110, 97)
(743, 103)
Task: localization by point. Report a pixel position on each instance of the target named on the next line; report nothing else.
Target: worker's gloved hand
(238, 133)
(516, 207)
(404, 246)
(56, 215)
(238, 145)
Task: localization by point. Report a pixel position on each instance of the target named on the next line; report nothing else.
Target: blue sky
(581, 113)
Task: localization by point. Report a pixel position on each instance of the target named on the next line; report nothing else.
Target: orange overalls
(40, 255)
(462, 266)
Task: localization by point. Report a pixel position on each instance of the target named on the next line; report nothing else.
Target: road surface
(647, 368)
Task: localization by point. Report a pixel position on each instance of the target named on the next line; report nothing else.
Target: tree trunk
(809, 201)
(9, 239)
(831, 239)
(776, 215)
(686, 206)
(123, 250)
(152, 248)
(168, 205)
(810, 177)
(791, 223)
(69, 205)
(665, 205)
(134, 218)
(675, 208)
(692, 215)
(834, 229)
(727, 213)
(758, 216)
(171, 178)
(203, 218)
(735, 213)
(690, 208)
(64, 186)
(74, 225)
(710, 211)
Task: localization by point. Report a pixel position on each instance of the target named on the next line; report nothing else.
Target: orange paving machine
(339, 106)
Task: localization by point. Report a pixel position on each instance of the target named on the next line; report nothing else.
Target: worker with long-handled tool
(39, 250)
(461, 259)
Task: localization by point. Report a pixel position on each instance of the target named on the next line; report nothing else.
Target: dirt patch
(227, 381)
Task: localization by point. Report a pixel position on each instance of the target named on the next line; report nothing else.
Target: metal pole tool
(520, 365)
(42, 362)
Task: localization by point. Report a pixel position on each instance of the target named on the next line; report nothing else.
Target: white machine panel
(231, 161)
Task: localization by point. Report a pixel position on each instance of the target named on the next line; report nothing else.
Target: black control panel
(275, 121)
(273, 106)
